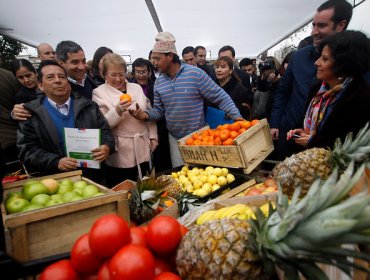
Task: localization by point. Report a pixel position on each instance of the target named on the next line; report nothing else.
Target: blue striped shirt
(181, 99)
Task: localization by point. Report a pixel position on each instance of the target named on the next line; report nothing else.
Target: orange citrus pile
(222, 135)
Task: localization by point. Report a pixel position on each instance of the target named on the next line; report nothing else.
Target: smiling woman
(135, 140)
(340, 103)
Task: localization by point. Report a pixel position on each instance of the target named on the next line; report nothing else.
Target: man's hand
(67, 164)
(274, 133)
(19, 113)
(101, 153)
(138, 113)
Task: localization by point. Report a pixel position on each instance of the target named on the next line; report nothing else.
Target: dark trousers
(117, 175)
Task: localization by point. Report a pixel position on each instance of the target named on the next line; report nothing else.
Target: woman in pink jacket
(135, 139)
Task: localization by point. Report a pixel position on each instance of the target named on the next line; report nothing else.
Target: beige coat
(132, 136)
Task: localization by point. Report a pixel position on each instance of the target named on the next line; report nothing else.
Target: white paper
(79, 143)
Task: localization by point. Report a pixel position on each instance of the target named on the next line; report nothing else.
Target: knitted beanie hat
(165, 43)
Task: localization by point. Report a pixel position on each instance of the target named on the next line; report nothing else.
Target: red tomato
(82, 258)
(132, 224)
(133, 262)
(167, 276)
(103, 273)
(144, 228)
(160, 266)
(60, 270)
(108, 234)
(138, 236)
(164, 234)
(184, 229)
(88, 277)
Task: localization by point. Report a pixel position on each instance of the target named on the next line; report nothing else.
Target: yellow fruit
(222, 181)
(212, 179)
(230, 178)
(217, 171)
(225, 171)
(215, 187)
(174, 175)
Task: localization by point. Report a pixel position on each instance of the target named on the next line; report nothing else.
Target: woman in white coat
(135, 139)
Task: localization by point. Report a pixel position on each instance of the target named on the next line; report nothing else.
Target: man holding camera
(266, 84)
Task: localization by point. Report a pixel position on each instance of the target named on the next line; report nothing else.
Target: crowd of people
(317, 93)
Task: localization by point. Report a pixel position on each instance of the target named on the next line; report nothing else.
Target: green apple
(51, 184)
(53, 202)
(30, 182)
(66, 182)
(98, 194)
(15, 205)
(32, 206)
(64, 188)
(57, 196)
(77, 198)
(79, 184)
(78, 190)
(13, 194)
(68, 196)
(40, 198)
(30, 190)
(89, 191)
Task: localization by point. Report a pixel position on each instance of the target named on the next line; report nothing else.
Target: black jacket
(350, 113)
(37, 137)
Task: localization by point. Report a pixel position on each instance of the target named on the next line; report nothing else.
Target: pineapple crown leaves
(327, 218)
(357, 149)
(187, 201)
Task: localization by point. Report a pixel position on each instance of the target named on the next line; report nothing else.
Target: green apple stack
(48, 192)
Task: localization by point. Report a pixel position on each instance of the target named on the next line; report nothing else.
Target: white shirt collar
(77, 83)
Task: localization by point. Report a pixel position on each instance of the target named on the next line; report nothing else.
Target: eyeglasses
(145, 72)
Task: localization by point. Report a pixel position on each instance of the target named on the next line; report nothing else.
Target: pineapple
(295, 236)
(170, 185)
(144, 199)
(304, 167)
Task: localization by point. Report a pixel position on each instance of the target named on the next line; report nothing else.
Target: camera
(268, 64)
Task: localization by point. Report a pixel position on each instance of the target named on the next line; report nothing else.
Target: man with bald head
(45, 52)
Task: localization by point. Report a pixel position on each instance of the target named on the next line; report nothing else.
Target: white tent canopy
(127, 27)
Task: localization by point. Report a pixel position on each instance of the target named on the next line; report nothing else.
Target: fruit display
(268, 186)
(295, 237)
(36, 194)
(201, 181)
(237, 211)
(113, 250)
(304, 167)
(222, 135)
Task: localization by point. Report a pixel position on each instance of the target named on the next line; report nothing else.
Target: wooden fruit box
(250, 149)
(172, 211)
(53, 230)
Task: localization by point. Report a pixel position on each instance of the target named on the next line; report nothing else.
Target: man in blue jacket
(40, 138)
(291, 95)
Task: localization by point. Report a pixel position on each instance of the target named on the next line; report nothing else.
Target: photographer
(266, 84)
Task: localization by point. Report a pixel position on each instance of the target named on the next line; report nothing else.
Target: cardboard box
(172, 211)
(250, 149)
(53, 230)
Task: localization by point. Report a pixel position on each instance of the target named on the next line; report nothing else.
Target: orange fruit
(197, 136)
(242, 130)
(234, 126)
(254, 122)
(233, 134)
(245, 124)
(189, 141)
(197, 142)
(224, 134)
(124, 97)
(217, 141)
(228, 141)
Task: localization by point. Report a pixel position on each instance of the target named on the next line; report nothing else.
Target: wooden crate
(172, 211)
(250, 149)
(53, 230)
